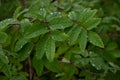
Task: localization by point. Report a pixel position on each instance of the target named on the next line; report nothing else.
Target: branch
(30, 69)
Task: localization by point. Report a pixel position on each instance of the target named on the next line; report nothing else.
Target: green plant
(59, 40)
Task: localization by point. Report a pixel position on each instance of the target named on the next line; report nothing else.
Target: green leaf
(95, 39)
(6, 70)
(50, 48)
(40, 48)
(92, 23)
(34, 15)
(69, 70)
(75, 49)
(89, 77)
(83, 39)
(59, 35)
(97, 62)
(15, 15)
(24, 53)
(37, 9)
(8, 41)
(36, 5)
(1, 64)
(38, 64)
(43, 12)
(20, 76)
(37, 14)
(60, 23)
(86, 15)
(115, 53)
(53, 15)
(6, 22)
(3, 37)
(25, 25)
(68, 55)
(114, 67)
(3, 57)
(62, 49)
(55, 63)
(72, 15)
(111, 46)
(74, 34)
(20, 43)
(35, 30)
(18, 12)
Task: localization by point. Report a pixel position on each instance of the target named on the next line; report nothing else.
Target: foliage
(60, 40)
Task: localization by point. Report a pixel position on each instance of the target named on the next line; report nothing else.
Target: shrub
(61, 40)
